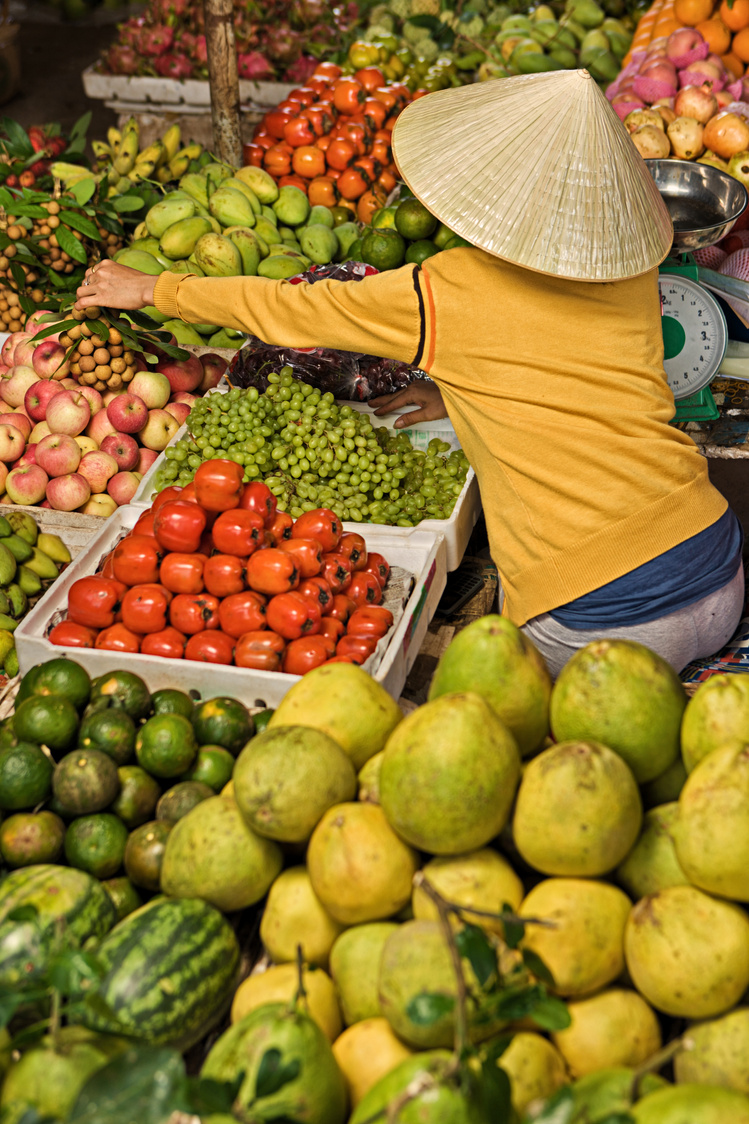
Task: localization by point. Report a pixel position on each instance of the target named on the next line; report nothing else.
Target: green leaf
(273, 1074)
(494, 1094)
(68, 242)
(206, 1096)
(9, 1004)
(124, 203)
(18, 275)
(17, 135)
(551, 1013)
(514, 930)
(430, 22)
(6, 199)
(473, 943)
(429, 1007)
(99, 328)
(617, 1118)
(52, 329)
(80, 223)
(76, 146)
(495, 1048)
(558, 1108)
(516, 1003)
(29, 210)
(23, 913)
(146, 1084)
(83, 190)
(535, 964)
(99, 1006)
(26, 304)
(81, 126)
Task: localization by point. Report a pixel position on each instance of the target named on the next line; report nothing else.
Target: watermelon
(170, 970)
(65, 899)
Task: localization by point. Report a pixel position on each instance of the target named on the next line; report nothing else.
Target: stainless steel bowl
(703, 202)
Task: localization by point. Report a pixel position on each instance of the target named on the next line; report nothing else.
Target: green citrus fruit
(225, 722)
(340, 215)
(165, 745)
(180, 799)
(25, 776)
(262, 718)
(47, 720)
(85, 781)
(442, 236)
(28, 838)
(96, 844)
(455, 242)
(384, 219)
(139, 793)
(419, 251)
(111, 730)
(170, 701)
(7, 733)
(413, 220)
(213, 766)
(124, 895)
(144, 853)
(57, 677)
(384, 249)
(126, 690)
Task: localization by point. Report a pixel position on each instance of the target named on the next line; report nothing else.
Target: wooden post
(223, 79)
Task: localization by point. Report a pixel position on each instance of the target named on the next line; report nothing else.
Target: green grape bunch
(314, 452)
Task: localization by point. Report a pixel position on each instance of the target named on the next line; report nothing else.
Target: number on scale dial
(694, 334)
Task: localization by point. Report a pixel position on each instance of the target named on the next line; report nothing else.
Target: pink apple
(34, 321)
(24, 353)
(48, 359)
(179, 411)
(183, 374)
(27, 485)
(68, 412)
(85, 444)
(3, 476)
(99, 427)
(110, 395)
(29, 457)
(5, 408)
(98, 468)
(9, 347)
(66, 493)
(69, 384)
(12, 443)
(19, 420)
(185, 398)
(123, 487)
(214, 369)
(94, 399)
(40, 430)
(146, 457)
(128, 413)
(152, 387)
(123, 448)
(15, 384)
(58, 454)
(37, 396)
(158, 430)
(99, 504)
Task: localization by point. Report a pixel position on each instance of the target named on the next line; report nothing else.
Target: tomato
(360, 647)
(317, 590)
(238, 532)
(342, 607)
(95, 601)
(308, 555)
(218, 484)
(353, 547)
(337, 570)
(332, 628)
(327, 70)
(68, 634)
(137, 559)
(298, 132)
(260, 650)
(178, 526)
(223, 574)
(258, 497)
(304, 654)
(117, 638)
(272, 571)
(169, 643)
(370, 620)
(308, 161)
(183, 573)
(242, 612)
(292, 616)
(194, 612)
(370, 78)
(378, 566)
(276, 121)
(280, 527)
(348, 95)
(173, 492)
(144, 526)
(321, 524)
(145, 608)
(365, 589)
(210, 647)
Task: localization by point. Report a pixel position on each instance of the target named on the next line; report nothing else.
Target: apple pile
(68, 446)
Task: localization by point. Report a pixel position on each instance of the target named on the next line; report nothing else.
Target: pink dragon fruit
(173, 66)
(301, 70)
(168, 10)
(200, 52)
(130, 32)
(254, 67)
(121, 59)
(307, 12)
(283, 45)
(156, 40)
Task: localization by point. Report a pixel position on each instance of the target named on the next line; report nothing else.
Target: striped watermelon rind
(71, 907)
(170, 970)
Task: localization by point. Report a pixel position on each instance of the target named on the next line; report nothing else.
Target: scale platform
(695, 337)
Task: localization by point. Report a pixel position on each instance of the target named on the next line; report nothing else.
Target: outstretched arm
(110, 285)
(425, 395)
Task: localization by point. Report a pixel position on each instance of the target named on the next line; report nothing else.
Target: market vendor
(544, 343)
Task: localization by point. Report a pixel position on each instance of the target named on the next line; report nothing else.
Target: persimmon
(333, 174)
(370, 77)
(735, 17)
(305, 95)
(275, 121)
(327, 70)
(386, 97)
(253, 154)
(376, 112)
(348, 95)
(298, 131)
(340, 153)
(265, 141)
(319, 85)
(324, 143)
(322, 192)
(320, 116)
(380, 152)
(387, 181)
(308, 161)
(293, 181)
(277, 160)
(369, 203)
(351, 184)
(716, 35)
(358, 135)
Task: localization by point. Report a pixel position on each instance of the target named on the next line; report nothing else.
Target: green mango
(8, 566)
(231, 207)
(278, 267)
(517, 23)
(586, 12)
(139, 259)
(7, 623)
(152, 311)
(182, 266)
(619, 44)
(603, 65)
(266, 230)
(263, 245)
(4, 602)
(5, 527)
(576, 28)
(565, 38)
(532, 62)
(320, 214)
(319, 243)
(42, 565)
(18, 547)
(196, 185)
(21, 524)
(285, 250)
(292, 206)
(563, 55)
(217, 173)
(346, 234)
(205, 329)
(29, 582)
(204, 213)
(240, 185)
(289, 235)
(19, 601)
(263, 184)
(223, 339)
(168, 211)
(268, 213)
(217, 256)
(250, 249)
(10, 664)
(178, 241)
(594, 40)
(184, 334)
(544, 30)
(149, 246)
(354, 251)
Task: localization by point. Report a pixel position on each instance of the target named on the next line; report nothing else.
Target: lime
(413, 220)
(28, 838)
(213, 766)
(165, 745)
(124, 895)
(262, 718)
(7, 733)
(225, 722)
(442, 236)
(85, 781)
(180, 799)
(384, 219)
(57, 677)
(384, 249)
(25, 776)
(47, 720)
(455, 242)
(111, 730)
(354, 251)
(127, 691)
(96, 844)
(170, 701)
(144, 853)
(138, 795)
(419, 251)
(340, 215)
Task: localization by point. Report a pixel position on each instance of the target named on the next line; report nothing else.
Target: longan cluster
(104, 366)
(12, 316)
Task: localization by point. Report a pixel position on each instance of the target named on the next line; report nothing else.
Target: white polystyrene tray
(190, 95)
(422, 554)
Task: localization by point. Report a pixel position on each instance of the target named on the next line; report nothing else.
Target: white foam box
(420, 574)
(191, 95)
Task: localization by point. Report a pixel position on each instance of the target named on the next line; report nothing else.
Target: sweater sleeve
(379, 315)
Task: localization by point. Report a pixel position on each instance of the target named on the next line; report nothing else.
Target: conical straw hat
(538, 170)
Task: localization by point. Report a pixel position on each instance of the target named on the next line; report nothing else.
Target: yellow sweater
(555, 388)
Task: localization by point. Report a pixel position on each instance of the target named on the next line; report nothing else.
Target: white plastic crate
(421, 557)
(191, 95)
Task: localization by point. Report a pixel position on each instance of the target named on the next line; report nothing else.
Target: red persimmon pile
(214, 572)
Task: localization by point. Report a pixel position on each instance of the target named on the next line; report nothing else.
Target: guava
(716, 1052)
(652, 864)
(601, 1095)
(280, 984)
(483, 879)
(665, 788)
(692, 1104)
(717, 714)
(614, 1028)
(535, 1068)
(365, 1053)
(293, 916)
(437, 1098)
(355, 968)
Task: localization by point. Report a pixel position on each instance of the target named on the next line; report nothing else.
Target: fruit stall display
(461, 956)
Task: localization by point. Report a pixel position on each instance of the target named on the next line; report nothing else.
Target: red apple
(99, 504)
(38, 395)
(27, 485)
(9, 347)
(34, 321)
(66, 493)
(158, 430)
(146, 457)
(48, 360)
(99, 427)
(68, 412)
(110, 395)
(123, 487)
(179, 411)
(19, 420)
(58, 454)
(14, 385)
(214, 369)
(183, 374)
(29, 457)
(98, 468)
(40, 430)
(94, 399)
(152, 387)
(128, 413)
(184, 398)
(123, 448)
(12, 443)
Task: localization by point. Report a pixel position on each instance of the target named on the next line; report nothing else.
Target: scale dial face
(694, 334)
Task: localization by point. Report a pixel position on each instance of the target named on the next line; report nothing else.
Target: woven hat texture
(538, 170)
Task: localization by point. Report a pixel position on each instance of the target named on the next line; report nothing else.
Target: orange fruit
(665, 26)
(740, 45)
(733, 64)
(737, 16)
(716, 35)
(691, 12)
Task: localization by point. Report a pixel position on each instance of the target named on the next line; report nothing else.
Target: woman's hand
(110, 285)
(425, 395)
